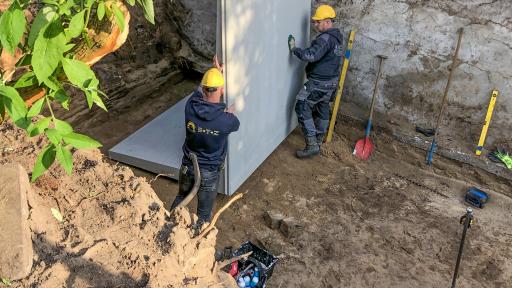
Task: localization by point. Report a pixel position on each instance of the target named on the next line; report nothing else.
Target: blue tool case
(476, 197)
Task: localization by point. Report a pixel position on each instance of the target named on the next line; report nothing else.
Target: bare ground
(115, 231)
(388, 222)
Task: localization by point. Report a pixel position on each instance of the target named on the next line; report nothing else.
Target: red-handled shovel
(364, 147)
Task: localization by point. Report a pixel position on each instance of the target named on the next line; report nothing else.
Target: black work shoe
(320, 139)
(311, 149)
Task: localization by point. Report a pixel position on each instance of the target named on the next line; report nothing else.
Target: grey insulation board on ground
(262, 77)
(157, 146)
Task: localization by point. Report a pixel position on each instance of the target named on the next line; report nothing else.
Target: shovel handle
(368, 128)
(375, 88)
(430, 154)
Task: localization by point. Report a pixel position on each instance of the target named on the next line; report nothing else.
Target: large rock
(197, 25)
(273, 218)
(15, 239)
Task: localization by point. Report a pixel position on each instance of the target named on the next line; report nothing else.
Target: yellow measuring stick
(340, 86)
(487, 122)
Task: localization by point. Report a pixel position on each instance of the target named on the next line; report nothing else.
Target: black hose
(197, 182)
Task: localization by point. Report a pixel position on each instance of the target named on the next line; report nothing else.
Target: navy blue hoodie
(323, 56)
(208, 127)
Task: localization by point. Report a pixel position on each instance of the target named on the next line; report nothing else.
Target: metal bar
(469, 216)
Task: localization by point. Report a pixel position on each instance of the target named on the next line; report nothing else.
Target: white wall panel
(262, 77)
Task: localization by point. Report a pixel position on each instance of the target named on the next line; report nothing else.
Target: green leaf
(51, 2)
(149, 12)
(100, 12)
(97, 100)
(6, 282)
(119, 16)
(65, 159)
(108, 11)
(24, 61)
(43, 17)
(43, 162)
(78, 72)
(2, 108)
(12, 27)
(14, 104)
(62, 127)
(80, 141)
(36, 108)
(26, 80)
(65, 9)
(39, 127)
(54, 136)
(88, 97)
(63, 98)
(131, 2)
(50, 82)
(56, 214)
(68, 47)
(48, 49)
(88, 3)
(76, 25)
(93, 84)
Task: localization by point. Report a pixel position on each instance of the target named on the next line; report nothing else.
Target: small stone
(273, 219)
(291, 228)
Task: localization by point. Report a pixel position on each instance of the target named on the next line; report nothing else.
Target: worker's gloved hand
(291, 42)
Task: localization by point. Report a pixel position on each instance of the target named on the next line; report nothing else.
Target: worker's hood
(205, 110)
(334, 32)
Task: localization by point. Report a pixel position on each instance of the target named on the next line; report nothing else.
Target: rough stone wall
(197, 26)
(419, 37)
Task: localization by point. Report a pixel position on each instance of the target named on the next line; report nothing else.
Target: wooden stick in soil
(221, 264)
(229, 261)
(216, 216)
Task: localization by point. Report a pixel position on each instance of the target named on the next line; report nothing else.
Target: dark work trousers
(312, 106)
(207, 190)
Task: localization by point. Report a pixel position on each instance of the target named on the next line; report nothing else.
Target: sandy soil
(389, 222)
(115, 231)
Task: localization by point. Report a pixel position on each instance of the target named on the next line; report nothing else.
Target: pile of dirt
(115, 231)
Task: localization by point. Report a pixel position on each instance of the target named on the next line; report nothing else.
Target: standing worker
(208, 124)
(323, 71)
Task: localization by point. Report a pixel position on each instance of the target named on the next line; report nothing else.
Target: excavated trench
(357, 223)
(389, 222)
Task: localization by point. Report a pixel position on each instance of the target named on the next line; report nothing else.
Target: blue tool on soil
(476, 197)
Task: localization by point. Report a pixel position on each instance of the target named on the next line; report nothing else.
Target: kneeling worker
(208, 124)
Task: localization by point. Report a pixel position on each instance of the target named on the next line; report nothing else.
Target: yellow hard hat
(324, 12)
(212, 78)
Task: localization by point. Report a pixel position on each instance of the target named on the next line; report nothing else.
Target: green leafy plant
(6, 281)
(49, 62)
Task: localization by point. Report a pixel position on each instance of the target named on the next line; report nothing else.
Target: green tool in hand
(291, 42)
